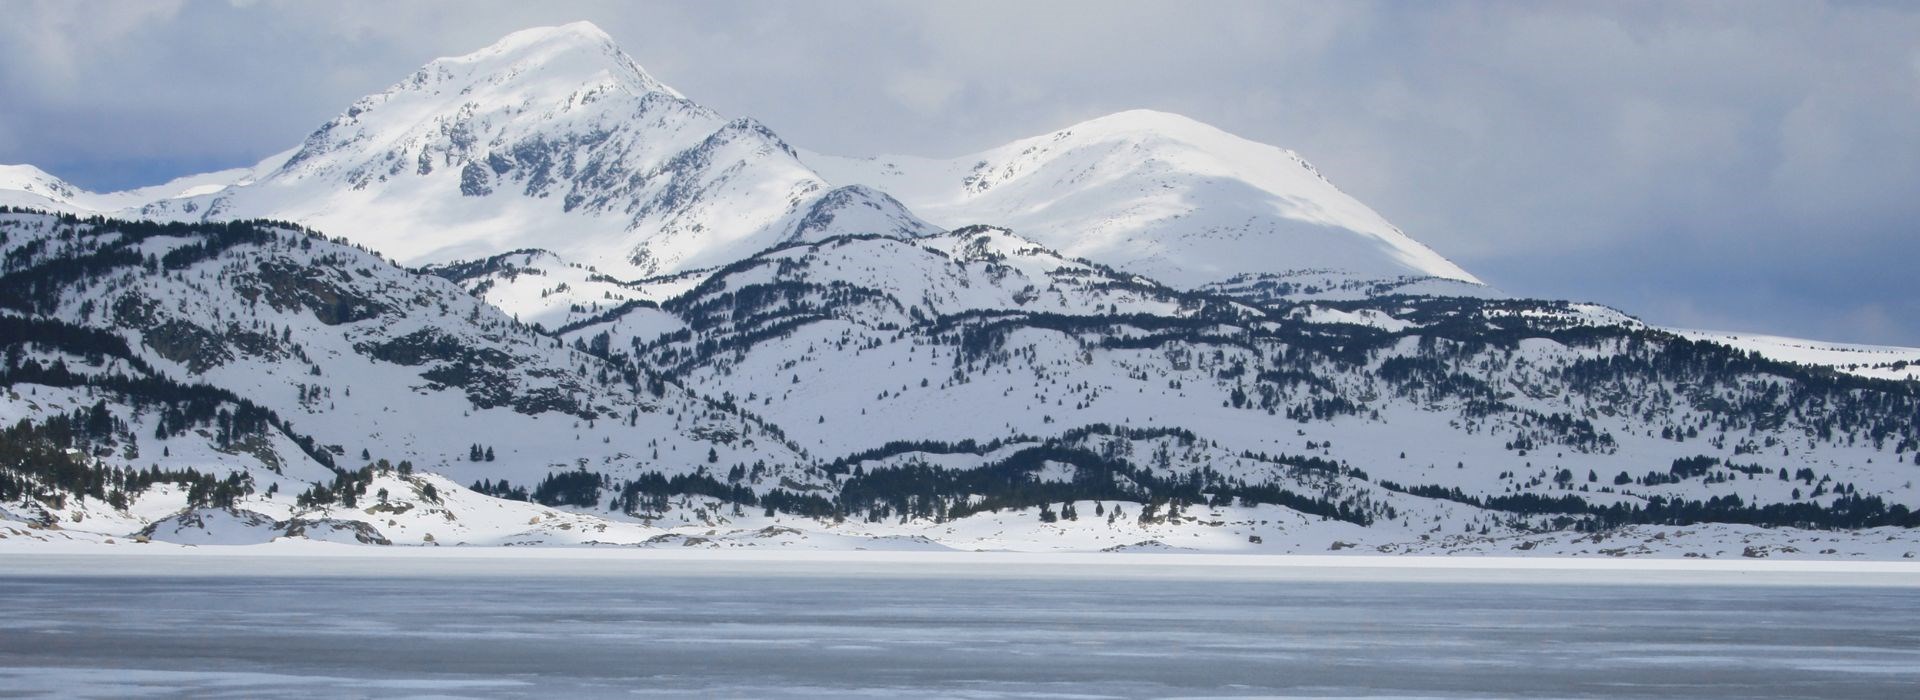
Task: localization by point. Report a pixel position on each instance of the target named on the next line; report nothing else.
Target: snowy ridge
(884, 283)
(1878, 361)
(1157, 194)
(25, 185)
(538, 287)
(1339, 285)
(30, 187)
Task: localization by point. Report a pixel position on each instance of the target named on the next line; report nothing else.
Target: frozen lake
(891, 630)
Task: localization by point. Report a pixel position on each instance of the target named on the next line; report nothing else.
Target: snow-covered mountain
(821, 336)
(623, 318)
(356, 357)
(28, 186)
(1157, 194)
(872, 386)
(552, 138)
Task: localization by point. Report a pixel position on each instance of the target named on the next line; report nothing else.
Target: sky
(1750, 166)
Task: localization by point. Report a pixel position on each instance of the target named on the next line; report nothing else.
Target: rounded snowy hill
(1156, 194)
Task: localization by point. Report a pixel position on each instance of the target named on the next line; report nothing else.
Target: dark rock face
(475, 181)
(320, 528)
(485, 374)
(323, 291)
(188, 344)
(431, 345)
(262, 527)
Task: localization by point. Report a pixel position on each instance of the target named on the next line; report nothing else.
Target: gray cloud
(1738, 165)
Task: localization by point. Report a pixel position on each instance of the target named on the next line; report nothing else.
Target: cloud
(923, 92)
(1746, 164)
(52, 41)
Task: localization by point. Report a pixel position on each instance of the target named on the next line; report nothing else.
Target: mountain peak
(26, 185)
(1138, 120)
(550, 138)
(28, 177)
(1141, 125)
(582, 30)
(1158, 194)
(578, 36)
(575, 53)
(1138, 125)
(526, 82)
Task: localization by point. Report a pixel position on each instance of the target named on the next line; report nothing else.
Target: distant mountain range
(532, 295)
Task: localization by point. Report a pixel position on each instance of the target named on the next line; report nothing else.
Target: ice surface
(890, 630)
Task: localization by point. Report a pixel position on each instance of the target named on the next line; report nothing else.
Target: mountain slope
(368, 359)
(553, 139)
(1516, 406)
(1877, 361)
(30, 187)
(1155, 194)
(950, 386)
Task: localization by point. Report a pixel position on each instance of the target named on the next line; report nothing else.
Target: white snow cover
(536, 286)
(328, 379)
(606, 204)
(1157, 194)
(552, 138)
(28, 186)
(464, 524)
(1878, 361)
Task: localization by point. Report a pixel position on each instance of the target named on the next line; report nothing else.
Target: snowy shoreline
(328, 559)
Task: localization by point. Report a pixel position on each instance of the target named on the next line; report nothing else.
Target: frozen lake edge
(324, 560)
(297, 620)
